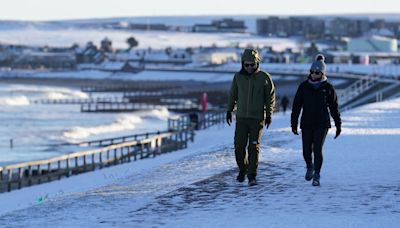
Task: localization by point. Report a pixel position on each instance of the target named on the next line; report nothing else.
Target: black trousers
(313, 141)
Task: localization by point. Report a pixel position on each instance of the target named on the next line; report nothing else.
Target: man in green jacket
(253, 94)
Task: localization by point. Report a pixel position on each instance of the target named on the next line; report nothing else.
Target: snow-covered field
(196, 187)
(387, 71)
(391, 72)
(153, 39)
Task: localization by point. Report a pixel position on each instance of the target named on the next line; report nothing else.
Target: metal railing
(355, 89)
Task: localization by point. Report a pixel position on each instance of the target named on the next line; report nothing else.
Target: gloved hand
(338, 131)
(229, 118)
(268, 121)
(294, 130)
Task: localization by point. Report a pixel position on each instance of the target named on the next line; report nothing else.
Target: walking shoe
(240, 177)
(315, 181)
(252, 181)
(309, 173)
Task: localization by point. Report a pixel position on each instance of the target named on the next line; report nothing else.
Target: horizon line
(366, 14)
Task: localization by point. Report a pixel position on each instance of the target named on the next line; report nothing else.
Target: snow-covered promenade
(196, 187)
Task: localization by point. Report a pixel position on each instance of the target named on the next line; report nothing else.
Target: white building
(216, 56)
(372, 44)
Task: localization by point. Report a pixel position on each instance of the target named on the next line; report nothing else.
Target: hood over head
(251, 55)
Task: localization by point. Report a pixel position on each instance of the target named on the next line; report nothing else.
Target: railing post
(135, 153)
(157, 150)
(141, 150)
(115, 156)
(9, 181)
(20, 176)
(122, 155)
(29, 175)
(93, 162)
(148, 145)
(59, 168)
(108, 156)
(100, 159)
(67, 166)
(186, 138)
(129, 153)
(175, 141)
(49, 172)
(39, 173)
(181, 145)
(84, 162)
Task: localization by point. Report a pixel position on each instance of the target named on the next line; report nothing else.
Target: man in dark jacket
(253, 94)
(315, 96)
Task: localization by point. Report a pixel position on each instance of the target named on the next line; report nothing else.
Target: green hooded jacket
(253, 94)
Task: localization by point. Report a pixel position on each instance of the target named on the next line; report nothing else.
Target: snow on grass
(153, 39)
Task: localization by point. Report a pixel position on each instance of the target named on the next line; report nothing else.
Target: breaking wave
(14, 101)
(122, 123)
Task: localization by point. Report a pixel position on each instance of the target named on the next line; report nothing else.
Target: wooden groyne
(128, 107)
(81, 100)
(215, 96)
(131, 86)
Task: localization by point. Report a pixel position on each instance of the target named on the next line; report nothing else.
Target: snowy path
(360, 184)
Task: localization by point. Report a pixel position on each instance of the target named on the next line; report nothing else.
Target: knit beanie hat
(319, 64)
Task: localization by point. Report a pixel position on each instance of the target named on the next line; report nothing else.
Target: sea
(31, 130)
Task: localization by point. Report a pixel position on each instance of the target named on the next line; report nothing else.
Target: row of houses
(26, 57)
(365, 50)
(310, 27)
(129, 62)
(137, 26)
(224, 25)
(325, 28)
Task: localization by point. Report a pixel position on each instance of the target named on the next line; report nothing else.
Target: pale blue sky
(78, 9)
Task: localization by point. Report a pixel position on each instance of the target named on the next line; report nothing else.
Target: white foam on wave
(14, 101)
(122, 123)
(162, 114)
(43, 92)
(65, 95)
